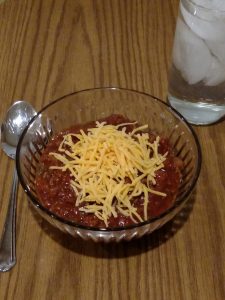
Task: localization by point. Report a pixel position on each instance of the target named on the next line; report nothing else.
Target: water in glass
(197, 75)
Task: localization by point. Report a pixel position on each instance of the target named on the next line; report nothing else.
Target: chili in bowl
(108, 164)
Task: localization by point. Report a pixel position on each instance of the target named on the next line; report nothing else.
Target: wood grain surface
(50, 48)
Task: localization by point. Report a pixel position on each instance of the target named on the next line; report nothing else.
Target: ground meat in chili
(56, 194)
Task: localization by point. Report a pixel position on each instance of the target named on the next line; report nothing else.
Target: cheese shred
(109, 168)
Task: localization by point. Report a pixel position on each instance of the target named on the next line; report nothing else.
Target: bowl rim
(118, 228)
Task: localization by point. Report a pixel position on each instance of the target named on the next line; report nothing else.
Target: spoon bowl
(17, 118)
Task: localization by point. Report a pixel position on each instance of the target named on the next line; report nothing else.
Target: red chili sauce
(55, 193)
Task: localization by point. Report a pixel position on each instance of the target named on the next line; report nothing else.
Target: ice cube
(218, 4)
(203, 3)
(190, 54)
(211, 4)
(208, 28)
(215, 74)
(218, 50)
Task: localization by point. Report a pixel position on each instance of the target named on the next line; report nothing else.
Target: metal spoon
(17, 117)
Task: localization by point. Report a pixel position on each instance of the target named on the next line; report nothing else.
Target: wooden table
(50, 48)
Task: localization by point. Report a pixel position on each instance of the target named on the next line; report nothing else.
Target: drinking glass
(197, 74)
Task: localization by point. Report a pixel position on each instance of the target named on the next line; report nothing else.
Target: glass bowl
(93, 104)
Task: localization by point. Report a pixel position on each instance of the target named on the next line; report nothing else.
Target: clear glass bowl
(88, 105)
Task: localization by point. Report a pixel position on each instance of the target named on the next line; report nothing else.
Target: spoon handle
(8, 241)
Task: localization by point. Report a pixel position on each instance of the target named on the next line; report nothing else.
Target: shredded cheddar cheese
(109, 167)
